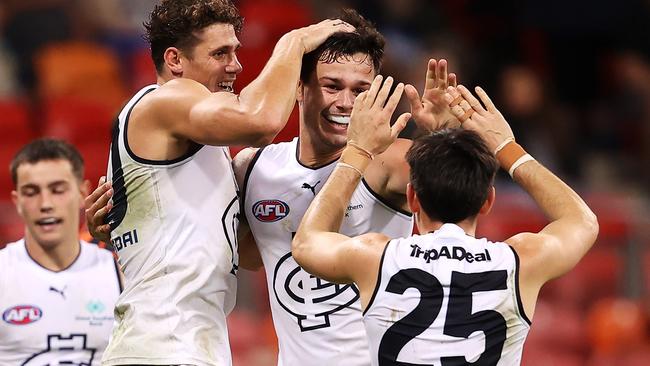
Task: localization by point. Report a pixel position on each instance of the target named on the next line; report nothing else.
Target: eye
(332, 87)
(29, 192)
(59, 189)
(359, 91)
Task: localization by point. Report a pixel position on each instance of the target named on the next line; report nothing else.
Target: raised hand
(314, 35)
(487, 121)
(432, 111)
(370, 126)
(97, 206)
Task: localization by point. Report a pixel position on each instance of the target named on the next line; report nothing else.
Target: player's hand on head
(431, 111)
(479, 116)
(97, 206)
(314, 35)
(370, 120)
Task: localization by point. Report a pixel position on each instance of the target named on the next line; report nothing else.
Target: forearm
(272, 95)
(328, 208)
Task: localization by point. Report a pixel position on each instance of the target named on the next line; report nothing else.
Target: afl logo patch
(22, 314)
(270, 210)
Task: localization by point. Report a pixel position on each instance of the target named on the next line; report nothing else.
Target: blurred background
(571, 77)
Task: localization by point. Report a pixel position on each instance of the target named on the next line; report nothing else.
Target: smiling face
(48, 197)
(327, 97)
(213, 59)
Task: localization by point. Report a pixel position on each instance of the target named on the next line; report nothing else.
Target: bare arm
(573, 229)
(190, 111)
(317, 247)
(249, 255)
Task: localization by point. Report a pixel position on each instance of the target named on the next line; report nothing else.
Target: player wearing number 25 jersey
(445, 297)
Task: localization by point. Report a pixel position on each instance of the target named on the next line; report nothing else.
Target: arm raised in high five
(317, 246)
(573, 229)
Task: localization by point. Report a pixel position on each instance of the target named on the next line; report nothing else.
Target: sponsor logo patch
(270, 210)
(22, 314)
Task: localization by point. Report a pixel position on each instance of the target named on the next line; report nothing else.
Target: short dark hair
(452, 171)
(172, 23)
(366, 39)
(47, 149)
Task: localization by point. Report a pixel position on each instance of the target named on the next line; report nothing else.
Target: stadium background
(571, 77)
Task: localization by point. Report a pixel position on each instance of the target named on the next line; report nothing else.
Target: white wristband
(503, 144)
(518, 163)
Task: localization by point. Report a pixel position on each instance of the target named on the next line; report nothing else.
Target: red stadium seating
(77, 121)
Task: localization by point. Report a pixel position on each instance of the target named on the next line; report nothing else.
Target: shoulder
(96, 254)
(242, 162)
(10, 251)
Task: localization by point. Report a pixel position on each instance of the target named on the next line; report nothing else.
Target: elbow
(592, 223)
(298, 249)
(266, 130)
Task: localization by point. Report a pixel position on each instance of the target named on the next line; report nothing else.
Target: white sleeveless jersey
(56, 318)
(174, 228)
(446, 298)
(317, 322)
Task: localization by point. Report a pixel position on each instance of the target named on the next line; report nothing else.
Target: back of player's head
(172, 23)
(47, 149)
(366, 40)
(452, 171)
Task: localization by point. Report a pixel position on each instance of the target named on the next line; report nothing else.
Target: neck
(311, 156)
(427, 225)
(55, 258)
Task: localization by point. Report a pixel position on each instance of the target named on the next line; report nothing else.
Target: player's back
(446, 298)
(173, 226)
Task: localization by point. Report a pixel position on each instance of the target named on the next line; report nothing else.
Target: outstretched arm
(317, 246)
(559, 246)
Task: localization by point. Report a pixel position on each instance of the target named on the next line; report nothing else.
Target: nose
(345, 100)
(46, 202)
(234, 66)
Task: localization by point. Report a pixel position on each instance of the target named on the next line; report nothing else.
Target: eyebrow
(226, 48)
(337, 80)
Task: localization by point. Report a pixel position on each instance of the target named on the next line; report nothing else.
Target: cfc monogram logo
(64, 351)
(309, 299)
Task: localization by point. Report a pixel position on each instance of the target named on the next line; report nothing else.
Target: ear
(172, 58)
(14, 199)
(489, 201)
(412, 199)
(300, 92)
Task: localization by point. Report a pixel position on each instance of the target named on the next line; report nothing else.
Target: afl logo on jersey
(270, 210)
(22, 314)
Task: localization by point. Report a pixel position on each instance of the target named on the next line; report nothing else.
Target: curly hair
(172, 23)
(366, 39)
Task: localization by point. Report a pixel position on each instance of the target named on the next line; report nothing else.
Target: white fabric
(317, 323)
(175, 237)
(430, 262)
(56, 318)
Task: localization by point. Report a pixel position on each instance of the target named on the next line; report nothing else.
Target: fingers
(399, 125)
(102, 187)
(473, 102)
(372, 92)
(414, 99)
(384, 91)
(453, 79)
(394, 98)
(442, 82)
(485, 99)
(430, 79)
(99, 208)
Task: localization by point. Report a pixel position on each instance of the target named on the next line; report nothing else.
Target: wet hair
(172, 23)
(452, 171)
(47, 149)
(366, 40)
